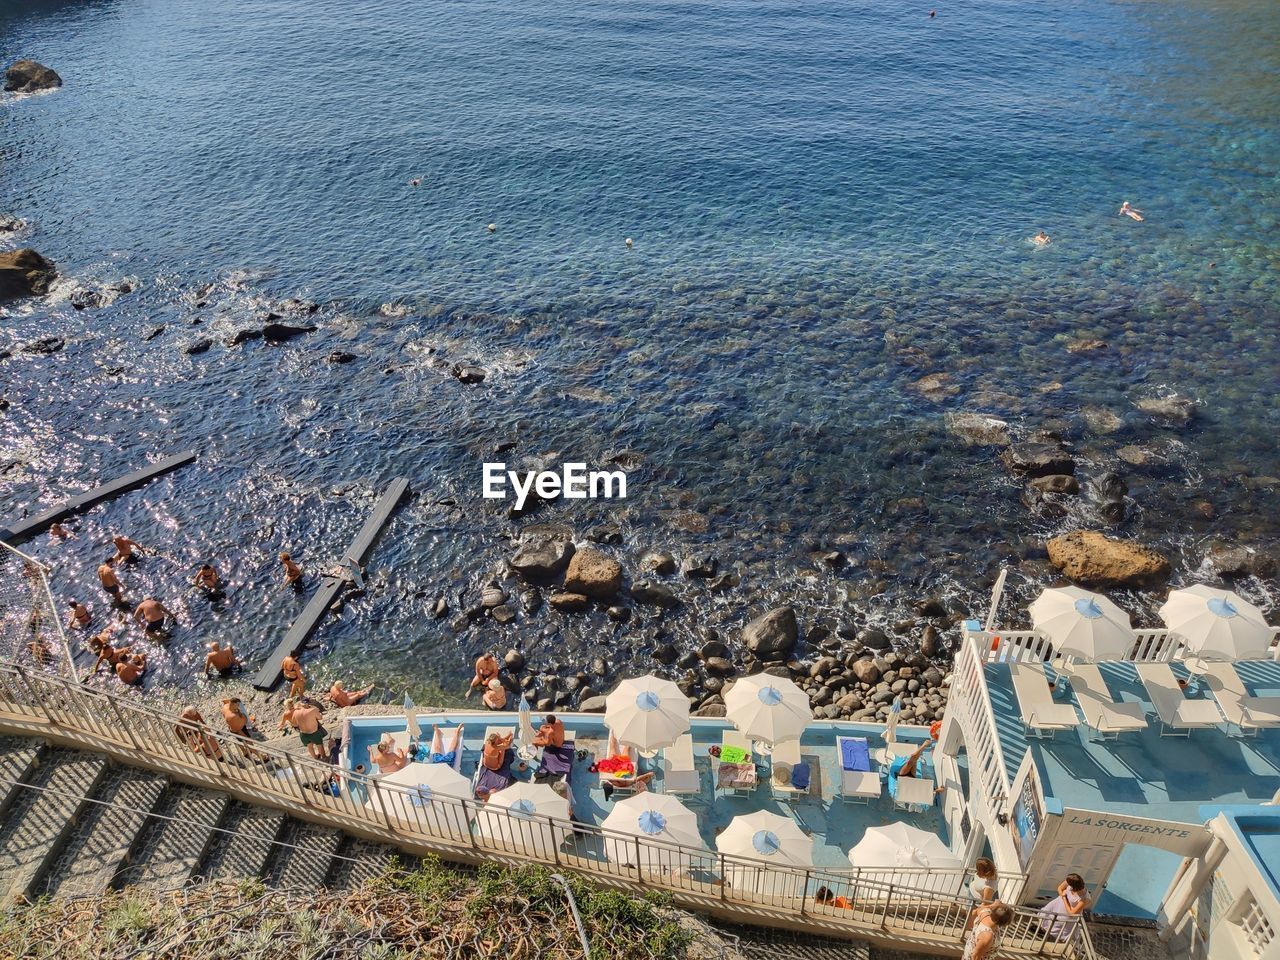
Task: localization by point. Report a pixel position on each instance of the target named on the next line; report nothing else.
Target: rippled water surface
(828, 202)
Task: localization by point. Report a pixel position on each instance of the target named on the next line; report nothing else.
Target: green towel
(733, 755)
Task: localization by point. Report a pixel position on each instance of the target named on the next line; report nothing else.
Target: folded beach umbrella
(1216, 624)
(656, 817)
(891, 726)
(527, 749)
(768, 708)
(767, 836)
(648, 713)
(520, 817)
(901, 845)
(1082, 625)
(424, 795)
(411, 717)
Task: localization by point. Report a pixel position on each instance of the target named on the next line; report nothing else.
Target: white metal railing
(1149, 646)
(924, 906)
(971, 696)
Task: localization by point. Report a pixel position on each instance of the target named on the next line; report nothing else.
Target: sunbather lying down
(438, 752)
(618, 769)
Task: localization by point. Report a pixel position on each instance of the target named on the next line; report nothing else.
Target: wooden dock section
(302, 629)
(20, 530)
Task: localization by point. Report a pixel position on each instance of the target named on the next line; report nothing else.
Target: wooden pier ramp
(29, 526)
(330, 587)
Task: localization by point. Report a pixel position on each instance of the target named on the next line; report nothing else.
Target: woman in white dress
(1060, 915)
(987, 923)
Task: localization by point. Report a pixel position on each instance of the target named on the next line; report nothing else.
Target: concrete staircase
(75, 824)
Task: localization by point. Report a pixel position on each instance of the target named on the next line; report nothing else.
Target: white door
(1093, 861)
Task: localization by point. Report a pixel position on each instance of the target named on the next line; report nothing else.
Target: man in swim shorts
(222, 659)
(110, 582)
(306, 717)
(151, 613)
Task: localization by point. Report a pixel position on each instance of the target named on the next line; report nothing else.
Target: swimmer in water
(415, 182)
(1133, 213)
(1040, 239)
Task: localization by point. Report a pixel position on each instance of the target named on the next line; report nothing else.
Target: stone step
(39, 821)
(101, 840)
(168, 851)
(359, 861)
(17, 760)
(244, 851)
(305, 863)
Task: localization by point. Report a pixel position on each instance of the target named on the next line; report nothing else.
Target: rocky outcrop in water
(1090, 557)
(1038, 459)
(593, 574)
(24, 273)
(27, 76)
(772, 636)
(542, 559)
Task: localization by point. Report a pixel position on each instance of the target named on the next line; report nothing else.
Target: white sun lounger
(1100, 709)
(681, 774)
(1178, 714)
(788, 753)
(914, 792)
(1040, 714)
(1246, 712)
(856, 786)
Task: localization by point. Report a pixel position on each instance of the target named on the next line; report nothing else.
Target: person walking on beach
(151, 613)
(486, 670)
(79, 618)
(306, 718)
(110, 582)
(292, 671)
(124, 549)
(342, 697)
(1133, 213)
(222, 659)
(292, 572)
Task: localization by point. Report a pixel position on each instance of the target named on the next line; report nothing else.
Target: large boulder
(24, 273)
(27, 76)
(1087, 556)
(772, 636)
(542, 559)
(594, 574)
(1038, 459)
(1231, 560)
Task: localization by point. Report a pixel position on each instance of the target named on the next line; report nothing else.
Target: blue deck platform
(835, 825)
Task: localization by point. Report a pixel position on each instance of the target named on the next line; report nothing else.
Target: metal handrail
(880, 903)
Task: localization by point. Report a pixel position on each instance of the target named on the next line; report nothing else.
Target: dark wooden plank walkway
(26, 527)
(330, 587)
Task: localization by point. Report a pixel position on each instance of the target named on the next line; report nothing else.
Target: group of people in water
(1127, 209)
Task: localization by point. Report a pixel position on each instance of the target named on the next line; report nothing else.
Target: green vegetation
(433, 911)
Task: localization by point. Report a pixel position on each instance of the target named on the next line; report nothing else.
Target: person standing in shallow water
(292, 572)
(125, 549)
(209, 582)
(111, 583)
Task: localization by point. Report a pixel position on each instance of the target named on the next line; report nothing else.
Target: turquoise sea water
(828, 202)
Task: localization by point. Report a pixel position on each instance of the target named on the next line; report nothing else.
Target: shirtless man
(292, 671)
(222, 659)
(1040, 239)
(79, 618)
(306, 718)
(486, 670)
(342, 697)
(59, 532)
(292, 572)
(208, 581)
(238, 724)
(110, 582)
(386, 756)
(131, 669)
(194, 732)
(550, 734)
(151, 613)
(124, 549)
(1133, 213)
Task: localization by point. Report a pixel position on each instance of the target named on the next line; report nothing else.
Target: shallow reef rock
(1087, 556)
(24, 273)
(27, 76)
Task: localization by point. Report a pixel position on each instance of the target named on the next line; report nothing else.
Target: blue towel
(853, 754)
(800, 776)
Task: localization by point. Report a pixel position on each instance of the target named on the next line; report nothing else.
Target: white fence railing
(920, 906)
(1150, 646)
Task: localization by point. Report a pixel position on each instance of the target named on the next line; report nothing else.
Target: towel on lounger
(854, 756)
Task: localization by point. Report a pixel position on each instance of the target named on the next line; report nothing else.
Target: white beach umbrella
(891, 727)
(1216, 624)
(519, 817)
(424, 795)
(1082, 625)
(656, 817)
(527, 749)
(648, 713)
(901, 845)
(768, 708)
(411, 717)
(767, 836)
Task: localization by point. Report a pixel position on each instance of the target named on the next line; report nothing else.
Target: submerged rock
(45, 345)
(936, 387)
(1173, 409)
(658, 561)
(468, 373)
(28, 76)
(1056, 483)
(200, 345)
(654, 593)
(1038, 459)
(977, 429)
(542, 559)
(280, 332)
(24, 273)
(1228, 560)
(569, 602)
(1088, 556)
